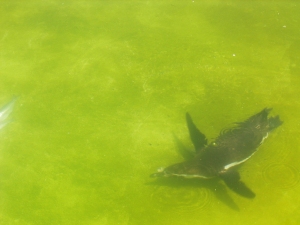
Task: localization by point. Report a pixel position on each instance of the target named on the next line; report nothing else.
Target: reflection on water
(5, 112)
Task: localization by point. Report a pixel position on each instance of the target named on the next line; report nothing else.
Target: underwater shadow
(232, 180)
(220, 159)
(218, 189)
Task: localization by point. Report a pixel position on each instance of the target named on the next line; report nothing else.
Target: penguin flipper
(199, 140)
(232, 180)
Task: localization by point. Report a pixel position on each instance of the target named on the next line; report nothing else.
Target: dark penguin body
(230, 149)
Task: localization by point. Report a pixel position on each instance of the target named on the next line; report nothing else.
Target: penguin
(222, 157)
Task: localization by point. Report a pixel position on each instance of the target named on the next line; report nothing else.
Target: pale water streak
(5, 111)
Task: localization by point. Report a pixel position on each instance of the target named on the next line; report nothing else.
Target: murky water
(103, 88)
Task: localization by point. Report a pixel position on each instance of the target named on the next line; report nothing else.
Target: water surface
(104, 85)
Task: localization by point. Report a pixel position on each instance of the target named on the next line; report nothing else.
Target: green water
(104, 85)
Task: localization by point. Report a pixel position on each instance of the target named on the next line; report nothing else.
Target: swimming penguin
(221, 157)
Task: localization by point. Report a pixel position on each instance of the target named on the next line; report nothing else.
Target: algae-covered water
(103, 88)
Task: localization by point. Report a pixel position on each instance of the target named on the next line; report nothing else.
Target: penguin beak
(160, 173)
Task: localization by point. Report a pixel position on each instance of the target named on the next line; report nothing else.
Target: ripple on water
(281, 175)
(183, 199)
(274, 154)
